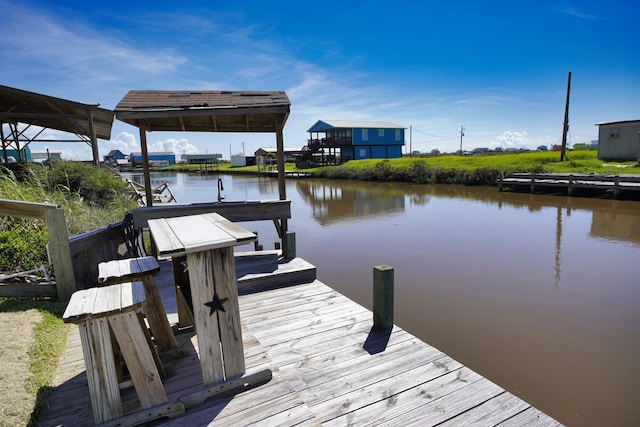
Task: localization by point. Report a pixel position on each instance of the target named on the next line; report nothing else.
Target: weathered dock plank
(329, 367)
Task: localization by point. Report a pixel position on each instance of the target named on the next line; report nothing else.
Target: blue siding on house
(361, 152)
(359, 139)
(374, 138)
(136, 158)
(25, 153)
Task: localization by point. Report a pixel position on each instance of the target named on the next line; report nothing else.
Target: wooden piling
(382, 297)
(290, 245)
(570, 185)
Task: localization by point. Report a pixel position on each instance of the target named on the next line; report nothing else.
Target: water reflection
(538, 293)
(335, 201)
(331, 202)
(619, 224)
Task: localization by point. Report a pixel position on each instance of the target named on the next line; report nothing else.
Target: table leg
(230, 326)
(217, 320)
(181, 283)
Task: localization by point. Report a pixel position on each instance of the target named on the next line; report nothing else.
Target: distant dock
(329, 367)
(287, 174)
(571, 184)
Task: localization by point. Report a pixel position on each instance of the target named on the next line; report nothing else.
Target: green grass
(450, 168)
(576, 161)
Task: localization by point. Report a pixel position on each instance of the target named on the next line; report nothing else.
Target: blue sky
(498, 68)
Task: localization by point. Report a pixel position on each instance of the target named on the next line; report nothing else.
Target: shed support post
(145, 165)
(282, 188)
(94, 140)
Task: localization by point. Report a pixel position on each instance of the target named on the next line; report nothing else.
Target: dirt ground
(16, 339)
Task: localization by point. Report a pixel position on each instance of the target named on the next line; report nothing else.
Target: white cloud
(125, 142)
(515, 139)
(177, 146)
(510, 139)
(80, 152)
(574, 12)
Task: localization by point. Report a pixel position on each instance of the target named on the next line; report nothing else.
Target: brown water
(538, 293)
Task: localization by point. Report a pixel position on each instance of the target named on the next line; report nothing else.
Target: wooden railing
(233, 211)
(53, 215)
(75, 259)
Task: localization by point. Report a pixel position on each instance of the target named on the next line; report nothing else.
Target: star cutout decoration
(216, 304)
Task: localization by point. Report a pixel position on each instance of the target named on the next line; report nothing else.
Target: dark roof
(623, 122)
(204, 111)
(54, 113)
(323, 125)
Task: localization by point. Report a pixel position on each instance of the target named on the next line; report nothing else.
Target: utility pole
(461, 135)
(410, 141)
(566, 121)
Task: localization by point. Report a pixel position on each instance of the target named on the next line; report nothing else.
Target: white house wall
(619, 141)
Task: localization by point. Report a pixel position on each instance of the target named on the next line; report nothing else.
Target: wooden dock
(571, 183)
(328, 367)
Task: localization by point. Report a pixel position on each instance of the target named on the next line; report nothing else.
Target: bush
(96, 186)
(91, 198)
(22, 244)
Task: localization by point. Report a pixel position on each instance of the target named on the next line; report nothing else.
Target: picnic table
(207, 242)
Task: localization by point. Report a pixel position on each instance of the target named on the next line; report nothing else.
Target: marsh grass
(472, 170)
(451, 169)
(90, 199)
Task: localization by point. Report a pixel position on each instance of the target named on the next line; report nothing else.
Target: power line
(434, 136)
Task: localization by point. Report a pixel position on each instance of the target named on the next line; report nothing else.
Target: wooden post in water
(382, 297)
(570, 185)
(289, 250)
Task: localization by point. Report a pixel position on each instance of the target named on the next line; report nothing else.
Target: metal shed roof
(322, 125)
(623, 122)
(54, 113)
(204, 111)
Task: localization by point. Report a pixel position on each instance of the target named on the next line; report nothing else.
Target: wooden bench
(142, 269)
(118, 308)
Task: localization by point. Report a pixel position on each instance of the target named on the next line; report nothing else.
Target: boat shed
(87, 121)
(207, 111)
